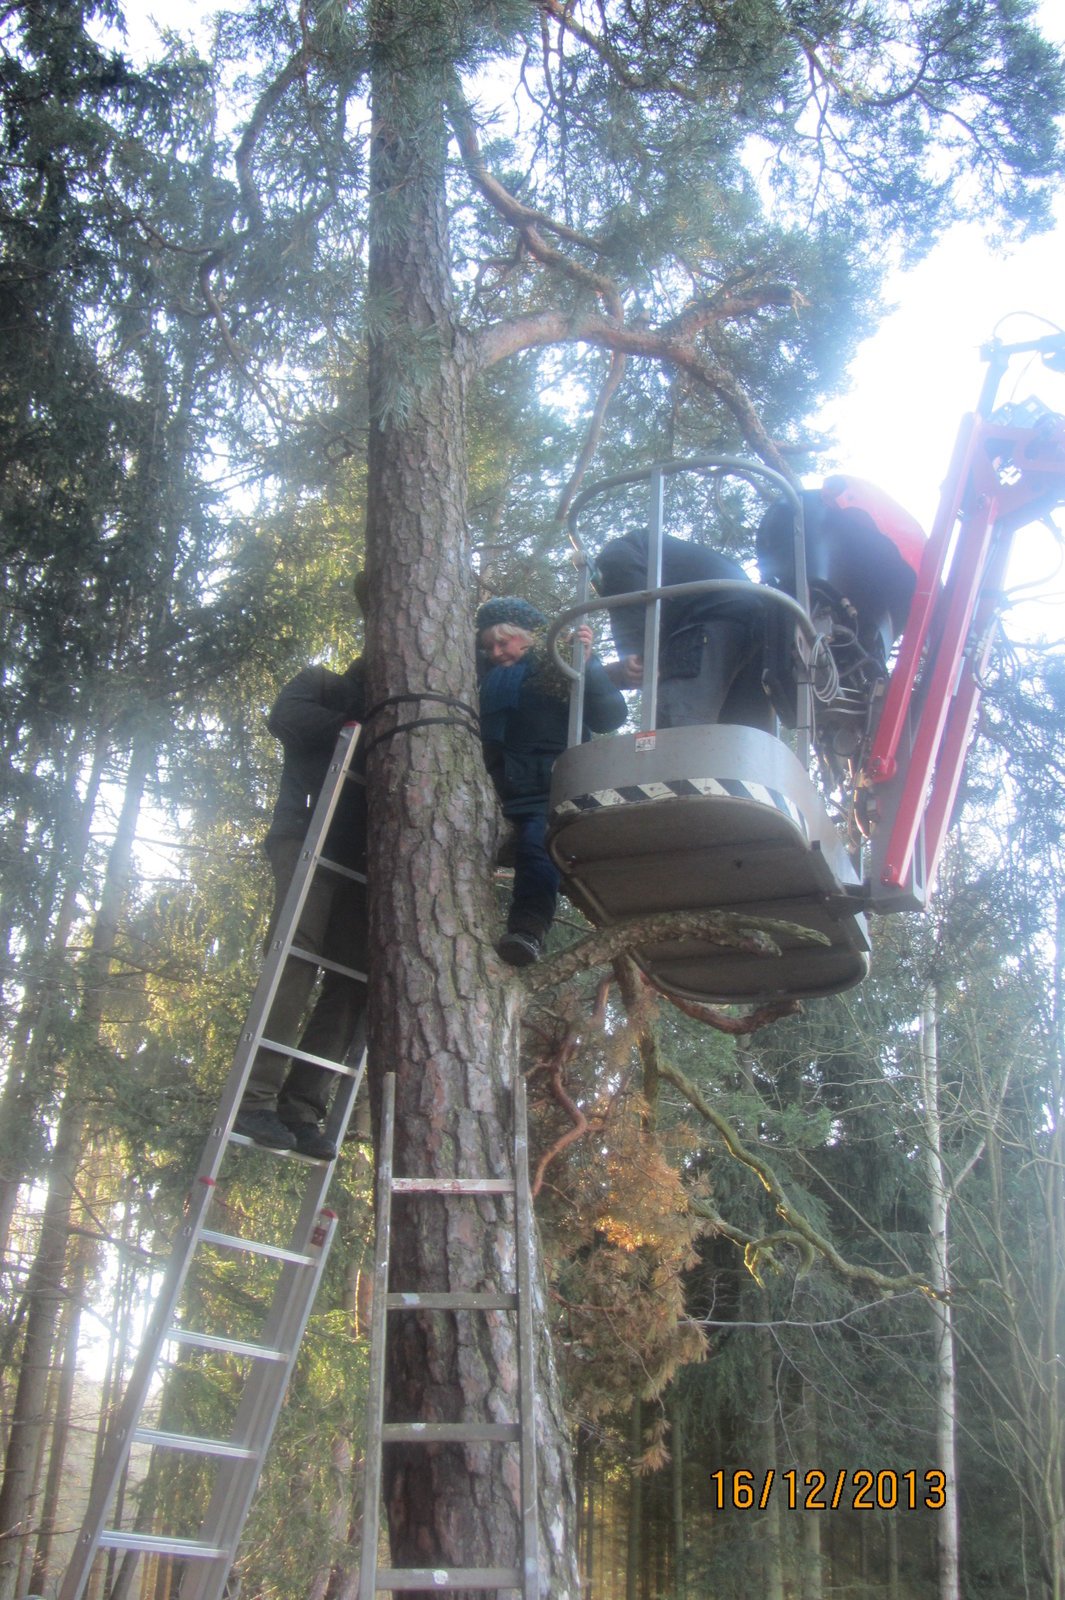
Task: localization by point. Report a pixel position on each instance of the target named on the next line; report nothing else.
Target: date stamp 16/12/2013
(841, 1489)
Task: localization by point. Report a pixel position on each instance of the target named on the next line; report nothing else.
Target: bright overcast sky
(916, 376)
(921, 371)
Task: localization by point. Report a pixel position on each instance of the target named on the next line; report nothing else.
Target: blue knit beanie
(510, 609)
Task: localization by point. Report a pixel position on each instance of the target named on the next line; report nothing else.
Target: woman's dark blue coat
(524, 724)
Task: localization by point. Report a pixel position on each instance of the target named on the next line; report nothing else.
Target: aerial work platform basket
(709, 818)
(847, 810)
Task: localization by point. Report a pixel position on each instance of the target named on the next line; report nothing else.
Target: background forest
(669, 227)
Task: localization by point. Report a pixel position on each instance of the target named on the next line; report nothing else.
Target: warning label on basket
(645, 741)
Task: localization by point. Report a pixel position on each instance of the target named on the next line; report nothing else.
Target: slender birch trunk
(947, 1530)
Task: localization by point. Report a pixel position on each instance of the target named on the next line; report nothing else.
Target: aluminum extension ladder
(239, 1458)
(524, 1579)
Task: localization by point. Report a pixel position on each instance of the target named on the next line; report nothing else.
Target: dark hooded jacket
(307, 717)
(622, 569)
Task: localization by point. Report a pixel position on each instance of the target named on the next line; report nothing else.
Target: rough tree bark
(443, 1013)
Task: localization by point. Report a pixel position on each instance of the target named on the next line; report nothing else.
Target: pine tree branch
(568, 23)
(731, 930)
(530, 223)
(750, 1022)
(503, 339)
(799, 1231)
(615, 373)
(726, 305)
(554, 1067)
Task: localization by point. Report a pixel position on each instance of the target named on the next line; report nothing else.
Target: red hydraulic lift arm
(1001, 478)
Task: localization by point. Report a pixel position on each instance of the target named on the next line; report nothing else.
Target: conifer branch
(731, 930)
(797, 1227)
(506, 338)
(240, 357)
(530, 223)
(798, 1232)
(726, 305)
(554, 1066)
(563, 15)
(615, 373)
(750, 1022)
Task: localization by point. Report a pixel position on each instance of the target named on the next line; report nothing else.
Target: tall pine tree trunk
(810, 1577)
(635, 1530)
(443, 1014)
(61, 1428)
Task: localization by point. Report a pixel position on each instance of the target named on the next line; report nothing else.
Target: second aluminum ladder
(524, 1578)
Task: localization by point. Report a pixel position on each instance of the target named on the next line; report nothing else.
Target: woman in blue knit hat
(524, 724)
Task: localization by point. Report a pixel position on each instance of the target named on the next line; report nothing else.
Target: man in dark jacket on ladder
(524, 727)
(710, 652)
(285, 1100)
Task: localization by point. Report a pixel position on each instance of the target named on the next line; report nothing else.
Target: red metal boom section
(1002, 478)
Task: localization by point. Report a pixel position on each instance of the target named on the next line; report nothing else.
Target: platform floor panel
(709, 819)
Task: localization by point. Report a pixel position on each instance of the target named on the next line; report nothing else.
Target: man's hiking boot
(310, 1140)
(266, 1128)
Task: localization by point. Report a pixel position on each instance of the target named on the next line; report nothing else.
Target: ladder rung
(308, 1055)
(453, 1300)
(232, 1347)
(450, 1432)
(160, 1544)
(195, 1446)
(256, 1247)
(444, 1578)
(274, 1150)
(343, 872)
(452, 1185)
(332, 966)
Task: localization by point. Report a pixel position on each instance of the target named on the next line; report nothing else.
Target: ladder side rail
(375, 1396)
(294, 1296)
(280, 946)
(120, 1436)
(523, 1223)
(257, 1413)
(652, 618)
(349, 1083)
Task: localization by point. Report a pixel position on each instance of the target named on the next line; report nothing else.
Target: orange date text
(839, 1489)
